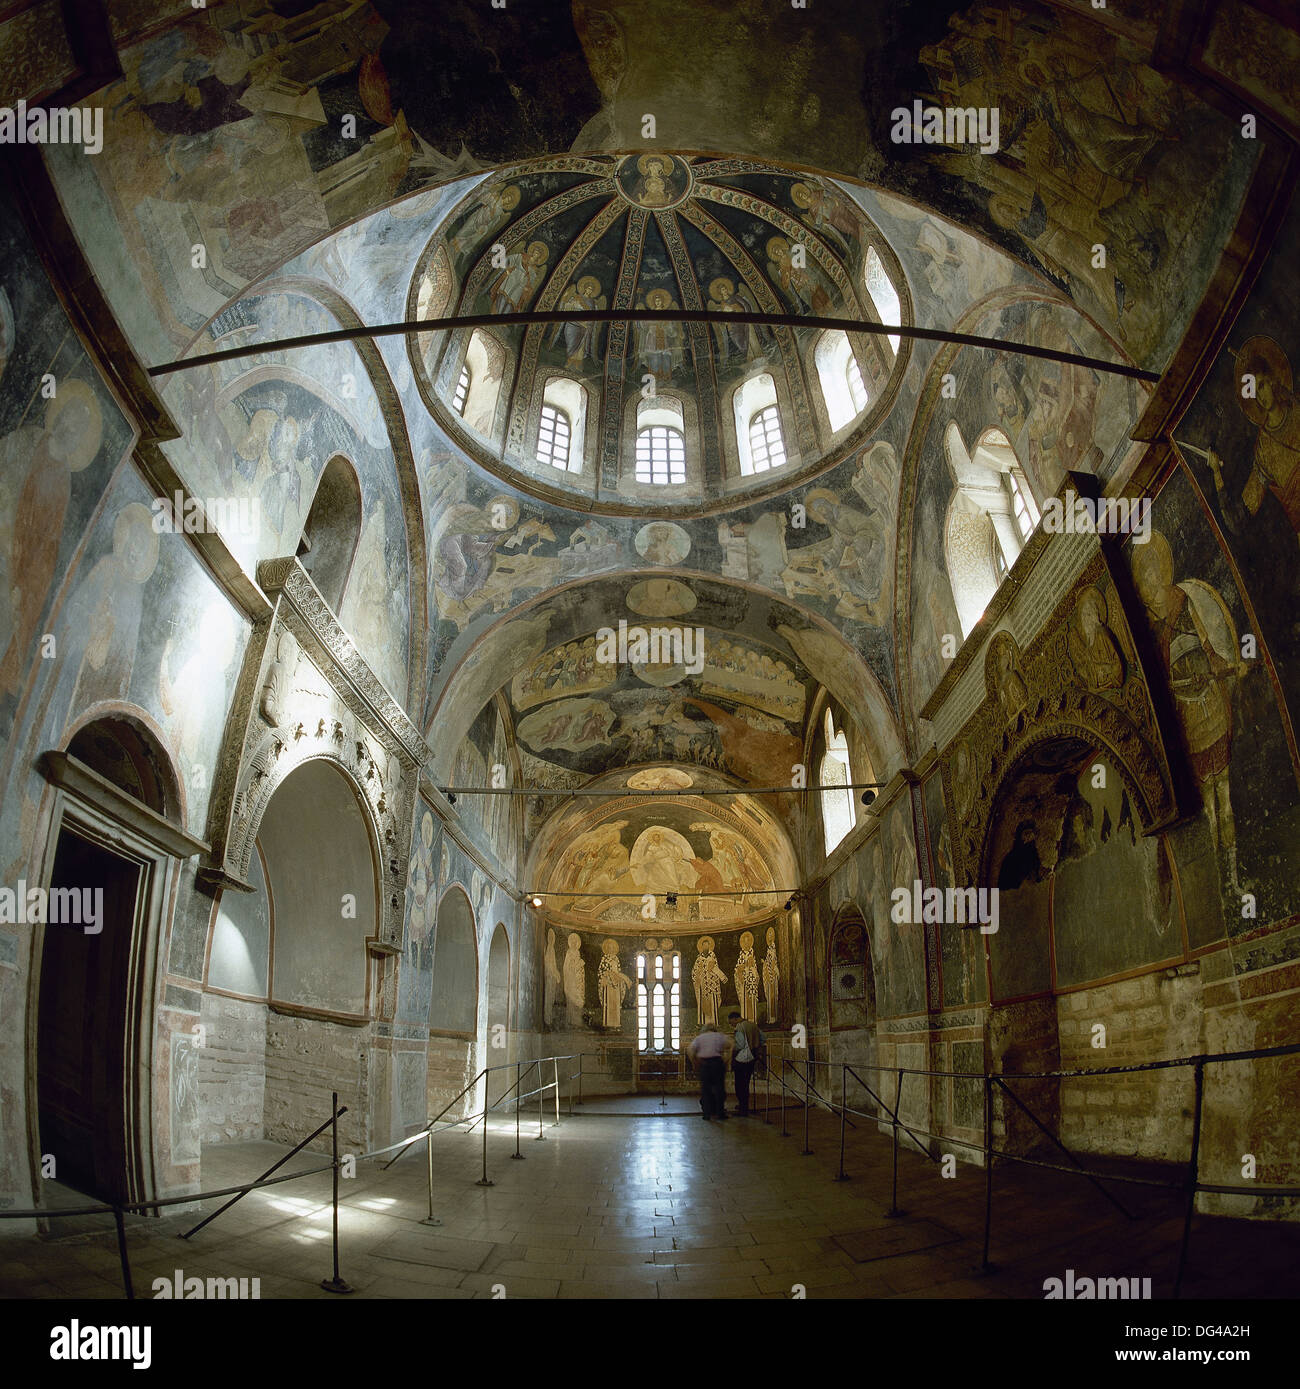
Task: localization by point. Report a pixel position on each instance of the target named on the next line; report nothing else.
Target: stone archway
(322, 889)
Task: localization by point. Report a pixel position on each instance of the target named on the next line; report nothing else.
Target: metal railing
(806, 1094)
(1189, 1186)
(334, 1283)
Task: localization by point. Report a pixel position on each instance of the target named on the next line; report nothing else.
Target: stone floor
(633, 1203)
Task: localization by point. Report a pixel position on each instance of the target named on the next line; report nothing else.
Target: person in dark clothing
(708, 1053)
(747, 1052)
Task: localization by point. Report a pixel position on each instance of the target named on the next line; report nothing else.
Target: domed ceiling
(661, 232)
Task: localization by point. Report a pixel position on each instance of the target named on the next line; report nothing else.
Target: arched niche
(332, 530)
(322, 888)
(454, 1003)
(320, 870)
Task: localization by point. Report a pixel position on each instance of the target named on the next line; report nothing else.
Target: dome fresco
(657, 231)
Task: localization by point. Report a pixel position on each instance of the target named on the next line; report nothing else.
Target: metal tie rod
(629, 315)
(621, 791)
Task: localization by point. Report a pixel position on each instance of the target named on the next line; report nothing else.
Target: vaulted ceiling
(345, 164)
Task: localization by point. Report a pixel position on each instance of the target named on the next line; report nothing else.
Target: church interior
(529, 530)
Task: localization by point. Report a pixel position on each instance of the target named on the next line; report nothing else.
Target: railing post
(432, 1219)
(842, 1175)
(893, 1193)
(335, 1284)
(785, 1062)
(541, 1096)
(988, 1170)
(483, 1180)
(1193, 1173)
(806, 1151)
(519, 1091)
(555, 1073)
(120, 1221)
(582, 1056)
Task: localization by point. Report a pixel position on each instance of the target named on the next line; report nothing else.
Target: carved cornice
(324, 638)
(305, 694)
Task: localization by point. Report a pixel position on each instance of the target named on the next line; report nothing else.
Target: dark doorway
(82, 1042)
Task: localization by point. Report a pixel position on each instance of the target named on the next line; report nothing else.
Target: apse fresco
(661, 848)
(1230, 723)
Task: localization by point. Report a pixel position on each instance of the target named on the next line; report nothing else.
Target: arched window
(1023, 505)
(659, 1002)
(561, 427)
(883, 294)
(482, 370)
(842, 386)
(989, 519)
(554, 435)
(332, 530)
(660, 455)
(462, 390)
(766, 442)
(660, 442)
(760, 439)
(834, 777)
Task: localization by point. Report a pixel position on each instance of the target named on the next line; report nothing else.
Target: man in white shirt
(708, 1052)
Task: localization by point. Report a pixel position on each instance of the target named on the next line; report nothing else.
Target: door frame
(100, 812)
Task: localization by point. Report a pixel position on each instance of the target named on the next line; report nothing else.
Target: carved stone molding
(304, 694)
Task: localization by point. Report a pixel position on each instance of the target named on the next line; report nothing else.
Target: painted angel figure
(747, 978)
(708, 979)
(575, 981)
(553, 980)
(771, 976)
(612, 983)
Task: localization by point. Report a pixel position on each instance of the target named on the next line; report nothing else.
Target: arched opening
(485, 359)
(883, 294)
(123, 753)
(843, 388)
(97, 920)
(499, 1049)
(759, 436)
(660, 442)
(1086, 904)
(990, 517)
(323, 906)
(332, 530)
(453, 1005)
(562, 424)
(835, 776)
